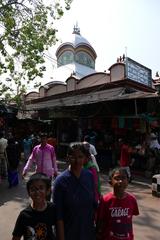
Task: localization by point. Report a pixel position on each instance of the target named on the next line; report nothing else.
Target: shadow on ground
(17, 193)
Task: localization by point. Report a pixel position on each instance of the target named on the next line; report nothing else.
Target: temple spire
(76, 29)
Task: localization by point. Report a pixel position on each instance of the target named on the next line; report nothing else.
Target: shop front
(111, 121)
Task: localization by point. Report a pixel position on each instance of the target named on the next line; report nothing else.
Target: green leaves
(26, 32)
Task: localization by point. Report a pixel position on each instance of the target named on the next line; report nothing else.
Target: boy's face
(38, 191)
(119, 181)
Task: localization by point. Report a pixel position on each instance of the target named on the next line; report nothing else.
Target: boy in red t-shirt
(116, 209)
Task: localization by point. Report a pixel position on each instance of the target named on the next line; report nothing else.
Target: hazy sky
(114, 26)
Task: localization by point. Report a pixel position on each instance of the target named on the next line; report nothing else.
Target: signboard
(137, 72)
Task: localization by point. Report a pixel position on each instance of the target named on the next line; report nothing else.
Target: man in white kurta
(3, 156)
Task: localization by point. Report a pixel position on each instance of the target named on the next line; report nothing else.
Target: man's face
(44, 140)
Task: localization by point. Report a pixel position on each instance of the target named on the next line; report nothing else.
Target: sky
(116, 27)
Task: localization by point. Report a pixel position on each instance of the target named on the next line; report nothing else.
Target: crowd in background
(77, 190)
(139, 153)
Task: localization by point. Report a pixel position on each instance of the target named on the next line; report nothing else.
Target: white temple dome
(75, 57)
(76, 40)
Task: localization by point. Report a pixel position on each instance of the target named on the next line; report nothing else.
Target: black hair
(117, 169)
(39, 176)
(43, 135)
(78, 146)
(87, 138)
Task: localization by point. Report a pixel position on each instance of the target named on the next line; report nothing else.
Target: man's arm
(30, 161)
(54, 163)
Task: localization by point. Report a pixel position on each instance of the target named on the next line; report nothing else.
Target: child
(114, 220)
(38, 219)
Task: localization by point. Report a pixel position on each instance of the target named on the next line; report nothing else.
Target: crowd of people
(69, 205)
(74, 207)
(142, 154)
(138, 153)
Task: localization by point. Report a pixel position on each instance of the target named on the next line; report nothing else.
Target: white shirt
(92, 149)
(154, 144)
(3, 144)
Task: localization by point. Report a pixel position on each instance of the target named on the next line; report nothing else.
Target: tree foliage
(26, 31)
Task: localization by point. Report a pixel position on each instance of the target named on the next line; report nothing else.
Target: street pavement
(146, 225)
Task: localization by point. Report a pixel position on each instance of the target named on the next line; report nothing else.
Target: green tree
(26, 31)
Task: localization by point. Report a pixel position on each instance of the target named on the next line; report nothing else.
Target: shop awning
(113, 94)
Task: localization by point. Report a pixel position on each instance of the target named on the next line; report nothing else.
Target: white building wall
(94, 80)
(42, 91)
(117, 72)
(56, 90)
(71, 84)
(31, 95)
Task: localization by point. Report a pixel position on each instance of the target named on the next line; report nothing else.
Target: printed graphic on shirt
(37, 233)
(119, 212)
(121, 223)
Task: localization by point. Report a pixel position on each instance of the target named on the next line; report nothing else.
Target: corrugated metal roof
(138, 94)
(91, 97)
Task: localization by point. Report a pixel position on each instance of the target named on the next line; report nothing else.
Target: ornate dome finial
(76, 29)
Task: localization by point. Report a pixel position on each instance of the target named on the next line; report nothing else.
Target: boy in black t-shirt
(36, 222)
